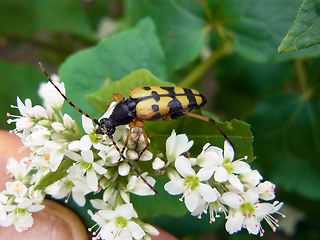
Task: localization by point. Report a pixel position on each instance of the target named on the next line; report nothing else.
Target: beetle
(146, 104)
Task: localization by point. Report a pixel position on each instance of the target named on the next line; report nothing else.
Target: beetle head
(106, 127)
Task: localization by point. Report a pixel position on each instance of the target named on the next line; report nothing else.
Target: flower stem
(307, 92)
(199, 70)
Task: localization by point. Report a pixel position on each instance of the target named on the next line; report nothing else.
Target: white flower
(195, 192)
(20, 214)
(17, 189)
(118, 224)
(29, 115)
(137, 186)
(51, 97)
(246, 211)
(227, 169)
(92, 169)
(176, 145)
(157, 164)
(250, 179)
(266, 190)
(18, 169)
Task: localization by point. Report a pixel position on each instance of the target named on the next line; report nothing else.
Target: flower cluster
(66, 161)
(214, 182)
(86, 162)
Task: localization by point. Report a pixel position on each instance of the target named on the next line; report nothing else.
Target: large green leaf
(182, 33)
(257, 27)
(24, 18)
(305, 30)
(17, 80)
(287, 131)
(111, 59)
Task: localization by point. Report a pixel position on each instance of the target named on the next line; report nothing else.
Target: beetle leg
(131, 125)
(133, 168)
(139, 124)
(115, 97)
(210, 120)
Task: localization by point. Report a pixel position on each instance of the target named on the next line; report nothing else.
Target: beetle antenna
(133, 168)
(67, 100)
(210, 120)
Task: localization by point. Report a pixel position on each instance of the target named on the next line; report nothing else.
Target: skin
(55, 221)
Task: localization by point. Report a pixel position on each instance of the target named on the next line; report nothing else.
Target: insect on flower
(146, 104)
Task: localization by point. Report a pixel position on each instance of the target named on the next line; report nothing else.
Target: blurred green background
(225, 48)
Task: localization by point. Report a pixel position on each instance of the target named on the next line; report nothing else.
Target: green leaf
(181, 32)
(17, 80)
(63, 16)
(305, 30)
(24, 18)
(111, 59)
(287, 142)
(52, 177)
(203, 132)
(257, 27)
(137, 78)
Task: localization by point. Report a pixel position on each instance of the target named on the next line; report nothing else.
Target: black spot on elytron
(191, 99)
(155, 96)
(170, 90)
(146, 88)
(175, 106)
(155, 107)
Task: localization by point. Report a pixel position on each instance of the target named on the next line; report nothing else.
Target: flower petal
(235, 182)
(234, 222)
(174, 187)
(221, 174)
(228, 152)
(207, 192)
(183, 166)
(232, 199)
(192, 200)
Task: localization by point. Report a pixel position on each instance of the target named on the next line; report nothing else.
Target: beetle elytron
(145, 104)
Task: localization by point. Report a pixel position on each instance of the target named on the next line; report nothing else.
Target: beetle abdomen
(154, 103)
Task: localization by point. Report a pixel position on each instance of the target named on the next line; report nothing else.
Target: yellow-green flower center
(247, 209)
(191, 182)
(121, 222)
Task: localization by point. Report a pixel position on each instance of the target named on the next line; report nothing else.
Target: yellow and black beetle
(146, 104)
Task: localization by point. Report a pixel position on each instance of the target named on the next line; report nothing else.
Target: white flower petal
(124, 169)
(183, 166)
(92, 179)
(136, 230)
(241, 167)
(205, 173)
(207, 192)
(87, 124)
(235, 182)
(234, 222)
(228, 152)
(87, 156)
(99, 169)
(252, 225)
(221, 174)
(126, 211)
(174, 187)
(232, 199)
(192, 200)
(85, 143)
(251, 195)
